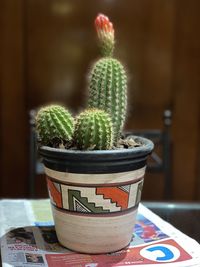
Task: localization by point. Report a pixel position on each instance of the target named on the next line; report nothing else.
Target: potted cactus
(94, 176)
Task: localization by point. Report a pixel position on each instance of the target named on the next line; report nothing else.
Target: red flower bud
(105, 32)
(102, 23)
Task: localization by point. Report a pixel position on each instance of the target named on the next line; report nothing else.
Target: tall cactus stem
(108, 91)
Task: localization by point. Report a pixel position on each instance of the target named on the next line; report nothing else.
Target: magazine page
(14, 213)
(154, 243)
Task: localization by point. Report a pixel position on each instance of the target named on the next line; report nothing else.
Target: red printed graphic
(126, 257)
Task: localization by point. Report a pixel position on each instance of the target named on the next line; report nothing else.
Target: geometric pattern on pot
(55, 195)
(98, 199)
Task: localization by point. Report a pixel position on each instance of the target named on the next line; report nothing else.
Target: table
(184, 216)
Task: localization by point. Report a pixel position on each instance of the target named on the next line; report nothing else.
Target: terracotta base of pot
(94, 234)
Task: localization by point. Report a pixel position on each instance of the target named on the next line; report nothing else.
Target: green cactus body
(54, 122)
(93, 130)
(108, 91)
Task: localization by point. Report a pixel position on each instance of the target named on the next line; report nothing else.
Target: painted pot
(95, 195)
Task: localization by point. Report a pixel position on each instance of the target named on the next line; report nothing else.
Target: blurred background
(46, 50)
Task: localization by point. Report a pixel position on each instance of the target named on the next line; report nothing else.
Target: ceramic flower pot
(95, 195)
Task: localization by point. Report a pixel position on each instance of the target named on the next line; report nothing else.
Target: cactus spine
(93, 130)
(54, 122)
(108, 81)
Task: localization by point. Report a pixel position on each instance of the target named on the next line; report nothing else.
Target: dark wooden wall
(46, 49)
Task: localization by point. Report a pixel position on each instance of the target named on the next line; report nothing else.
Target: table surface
(184, 216)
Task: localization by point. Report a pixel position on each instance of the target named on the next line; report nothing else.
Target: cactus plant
(100, 126)
(107, 80)
(93, 130)
(54, 122)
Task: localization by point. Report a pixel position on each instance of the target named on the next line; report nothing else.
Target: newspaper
(28, 238)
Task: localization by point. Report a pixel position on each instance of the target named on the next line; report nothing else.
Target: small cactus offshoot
(54, 122)
(93, 130)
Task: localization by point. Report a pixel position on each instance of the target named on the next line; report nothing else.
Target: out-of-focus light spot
(61, 8)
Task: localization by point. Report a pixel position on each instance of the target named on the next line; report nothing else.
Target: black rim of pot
(97, 161)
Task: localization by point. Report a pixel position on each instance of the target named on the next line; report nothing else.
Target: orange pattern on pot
(54, 193)
(116, 195)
